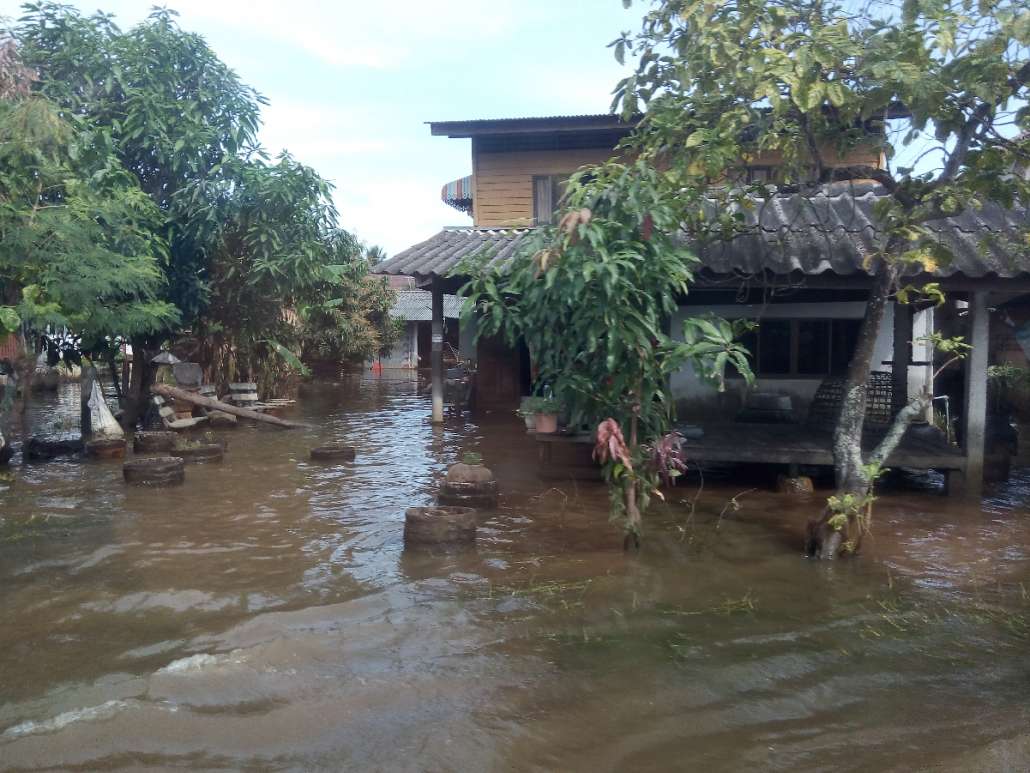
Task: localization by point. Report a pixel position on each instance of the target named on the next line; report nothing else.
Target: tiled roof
(417, 306)
(834, 232)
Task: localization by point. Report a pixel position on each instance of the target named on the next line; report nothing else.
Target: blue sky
(352, 82)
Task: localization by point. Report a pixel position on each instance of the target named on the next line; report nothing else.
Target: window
(801, 348)
(760, 174)
(547, 193)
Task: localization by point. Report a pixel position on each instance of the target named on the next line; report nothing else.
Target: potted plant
(546, 410)
(528, 413)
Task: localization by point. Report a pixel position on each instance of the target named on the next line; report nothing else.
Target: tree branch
(905, 417)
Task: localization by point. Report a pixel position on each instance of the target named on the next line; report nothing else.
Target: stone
(469, 485)
(468, 473)
(439, 525)
(799, 485)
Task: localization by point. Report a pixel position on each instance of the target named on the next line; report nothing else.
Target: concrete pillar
(902, 356)
(975, 418)
(437, 353)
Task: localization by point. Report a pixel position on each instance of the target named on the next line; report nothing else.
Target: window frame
(793, 373)
(547, 192)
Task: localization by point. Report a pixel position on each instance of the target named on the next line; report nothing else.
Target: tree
(78, 244)
(592, 299)
(275, 251)
(249, 241)
(942, 84)
(349, 321)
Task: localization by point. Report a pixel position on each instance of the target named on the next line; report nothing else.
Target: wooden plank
(207, 402)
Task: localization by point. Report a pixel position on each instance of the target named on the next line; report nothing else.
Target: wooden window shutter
(543, 200)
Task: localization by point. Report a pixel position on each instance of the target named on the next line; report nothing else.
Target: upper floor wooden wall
(503, 179)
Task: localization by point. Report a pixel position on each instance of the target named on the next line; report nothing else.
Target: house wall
(503, 180)
(697, 399)
(405, 351)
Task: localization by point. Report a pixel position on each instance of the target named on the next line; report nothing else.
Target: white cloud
(358, 34)
(396, 213)
(318, 133)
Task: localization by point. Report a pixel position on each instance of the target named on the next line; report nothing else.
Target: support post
(437, 352)
(86, 378)
(902, 357)
(975, 418)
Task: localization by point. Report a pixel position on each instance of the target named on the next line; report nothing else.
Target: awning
(458, 194)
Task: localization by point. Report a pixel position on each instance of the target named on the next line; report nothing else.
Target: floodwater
(265, 616)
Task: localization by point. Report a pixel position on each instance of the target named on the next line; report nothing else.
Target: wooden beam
(165, 390)
(975, 411)
(437, 352)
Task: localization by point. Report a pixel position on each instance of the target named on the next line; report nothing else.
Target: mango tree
(248, 240)
(939, 87)
(593, 298)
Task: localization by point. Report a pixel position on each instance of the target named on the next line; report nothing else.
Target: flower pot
(546, 423)
(530, 419)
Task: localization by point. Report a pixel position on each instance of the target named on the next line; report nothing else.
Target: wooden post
(437, 352)
(86, 378)
(975, 418)
(902, 357)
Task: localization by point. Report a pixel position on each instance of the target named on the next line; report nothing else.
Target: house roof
(833, 232)
(481, 126)
(417, 306)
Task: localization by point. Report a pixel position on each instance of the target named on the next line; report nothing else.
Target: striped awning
(458, 194)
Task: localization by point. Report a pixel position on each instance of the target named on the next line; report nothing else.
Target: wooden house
(800, 271)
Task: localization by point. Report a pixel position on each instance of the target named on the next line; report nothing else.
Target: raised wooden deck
(797, 444)
(565, 456)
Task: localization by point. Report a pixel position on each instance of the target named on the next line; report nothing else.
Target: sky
(351, 84)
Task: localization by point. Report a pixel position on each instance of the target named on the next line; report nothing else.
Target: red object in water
(377, 367)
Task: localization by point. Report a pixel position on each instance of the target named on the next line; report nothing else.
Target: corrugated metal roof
(417, 306)
(479, 126)
(834, 232)
(439, 254)
(573, 117)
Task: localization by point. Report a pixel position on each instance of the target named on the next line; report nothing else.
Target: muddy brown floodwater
(266, 616)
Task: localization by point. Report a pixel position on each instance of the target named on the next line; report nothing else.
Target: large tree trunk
(830, 535)
(134, 401)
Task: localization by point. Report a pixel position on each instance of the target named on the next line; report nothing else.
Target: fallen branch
(207, 402)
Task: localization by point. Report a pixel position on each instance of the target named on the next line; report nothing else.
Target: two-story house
(800, 272)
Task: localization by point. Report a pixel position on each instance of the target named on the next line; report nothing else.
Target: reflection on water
(266, 615)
